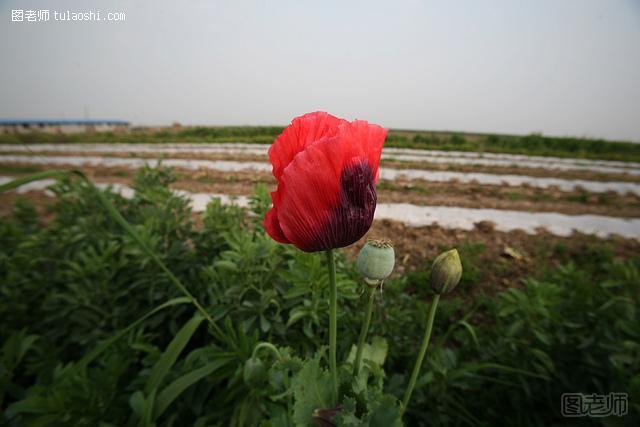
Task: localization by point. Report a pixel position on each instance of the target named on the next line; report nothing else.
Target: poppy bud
(446, 272)
(254, 372)
(375, 261)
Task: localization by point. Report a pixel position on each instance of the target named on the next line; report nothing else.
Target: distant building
(62, 126)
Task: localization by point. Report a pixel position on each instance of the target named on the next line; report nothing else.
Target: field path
(388, 174)
(446, 217)
(409, 155)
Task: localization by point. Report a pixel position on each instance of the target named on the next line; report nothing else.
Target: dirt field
(396, 164)
(416, 192)
(505, 258)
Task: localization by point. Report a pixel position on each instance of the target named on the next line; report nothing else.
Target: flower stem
(423, 350)
(333, 321)
(365, 330)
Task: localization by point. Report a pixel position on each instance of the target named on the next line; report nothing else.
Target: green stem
(115, 214)
(423, 350)
(365, 330)
(333, 321)
(273, 349)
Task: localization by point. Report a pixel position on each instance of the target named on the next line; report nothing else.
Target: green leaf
(385, 412)
(136, 402)
(31, 178)
(88, 358)
(225, 265)
(148, 410)
(296, 314)
(376, 352)
(471, 331)
(16, 347)
(30, 405)
(312, 389)
(543, 358)
(373, 357)
(170, 355)
(143, 407)
(347, 416)
(173, 390)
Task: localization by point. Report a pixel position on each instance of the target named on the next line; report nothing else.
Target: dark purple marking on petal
(353, 216)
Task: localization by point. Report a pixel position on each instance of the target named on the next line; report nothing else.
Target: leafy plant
(82, 343)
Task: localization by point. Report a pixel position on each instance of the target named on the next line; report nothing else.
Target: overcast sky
(560, 67)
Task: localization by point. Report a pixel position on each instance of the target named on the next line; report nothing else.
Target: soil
(37, 199)
(500, 260)
(528, 199)
(395, 164)
(417, 192)
(514, 170)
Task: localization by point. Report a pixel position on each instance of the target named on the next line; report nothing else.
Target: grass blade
(38, 404)
(31, 178)
(88, 358)
(170, 355)
(173, 390)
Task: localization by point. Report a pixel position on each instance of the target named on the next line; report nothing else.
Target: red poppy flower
(326, 170)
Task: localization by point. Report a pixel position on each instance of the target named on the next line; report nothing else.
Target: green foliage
(81, 342)
(312, 388)
(563, 333)
(534, 144)
(254, 134)
(13, 351)
(365, 404)
(260, 202)
(169, 357)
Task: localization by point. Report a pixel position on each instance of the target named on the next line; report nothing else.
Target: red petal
(303, 131)
(272, 226)
(366, 140)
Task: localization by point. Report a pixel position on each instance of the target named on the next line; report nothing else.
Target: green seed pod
(445, 272)
(254, 372)
(375, 261)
